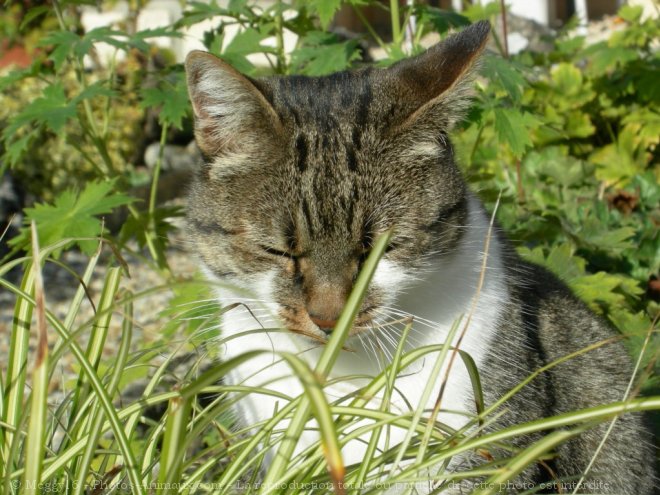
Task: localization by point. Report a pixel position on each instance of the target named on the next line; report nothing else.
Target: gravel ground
(60, 287)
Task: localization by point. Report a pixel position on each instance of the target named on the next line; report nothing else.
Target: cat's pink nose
(325, 325)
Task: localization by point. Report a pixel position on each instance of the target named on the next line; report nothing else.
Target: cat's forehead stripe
(315, 100)
(308, 216)
(301, 149)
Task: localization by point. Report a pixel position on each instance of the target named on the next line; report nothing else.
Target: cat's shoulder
(562, 321)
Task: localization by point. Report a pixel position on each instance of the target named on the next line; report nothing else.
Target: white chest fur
(444, 294)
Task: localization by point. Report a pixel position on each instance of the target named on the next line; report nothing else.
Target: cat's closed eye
(277, 252)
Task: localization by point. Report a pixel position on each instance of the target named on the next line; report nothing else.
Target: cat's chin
(363, 325)
(298, 322)
(319, 338)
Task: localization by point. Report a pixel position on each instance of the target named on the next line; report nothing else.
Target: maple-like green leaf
(325, 9)
(593, 288)
(645, 123)
(555, 163)
(171, 99)
(570, 46)
(599, 235)
(151, 228)
(578, 125)
(515, 128)
(598, 288)
(62, 42)
(570, 87)
(197, 12)
(246, 42)
(561, 260)
(631, 13)
(604, 58)
(15, 76)
(139, 39)
(99, 88)
(238, 7)
(243, 44)
(32, 14)
(53, 110)
(496, 69)
(631, 323)
(72, 215)
(564, 263)
(441, 20)
(322, 53)
(621, 160)
(67, 43)
(480, 12)
(17, 147)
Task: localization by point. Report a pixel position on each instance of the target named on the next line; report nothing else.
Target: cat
(302, 174)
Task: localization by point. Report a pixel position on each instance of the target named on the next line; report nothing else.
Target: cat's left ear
(435, 85)
(231, 114)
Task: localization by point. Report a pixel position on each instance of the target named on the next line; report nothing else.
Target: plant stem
(90, 121)
(372, 32)
(156, 175)
(498, 43)
(504, 30)
(279, 38)
(108, 99)
(396, 26)
(150, 234)
(521, 190)
(477, 140)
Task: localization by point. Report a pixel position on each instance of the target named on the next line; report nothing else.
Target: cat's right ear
(231, 114)
(434, 86)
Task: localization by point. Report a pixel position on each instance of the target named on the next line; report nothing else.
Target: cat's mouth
(300, 322)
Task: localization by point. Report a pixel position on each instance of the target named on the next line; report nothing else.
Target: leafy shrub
(567, 140)
(570, 139)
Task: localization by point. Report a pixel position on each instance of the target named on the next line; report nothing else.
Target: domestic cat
(301, 174)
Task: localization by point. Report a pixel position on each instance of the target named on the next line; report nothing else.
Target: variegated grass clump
(93, 442)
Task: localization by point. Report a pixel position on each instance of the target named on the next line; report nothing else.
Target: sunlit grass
(93, 440)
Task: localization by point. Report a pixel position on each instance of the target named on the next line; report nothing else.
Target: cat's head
(301, 174)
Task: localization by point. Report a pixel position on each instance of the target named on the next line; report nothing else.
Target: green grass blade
(93, 353)
(321, 411)
(55, 464)
(72, 312)
(151, 449)
(172, 454)
(3, 425)
(340, 333)
(99, 390)
(498, 482)
(106, 304)
(95, 429)
(213, 375)
(16, 369)
(78, 297)
(426, 394)
(590, 415)
(326, 361)
(394, 370)
(132, 422)
(473, 371)
(34, 454)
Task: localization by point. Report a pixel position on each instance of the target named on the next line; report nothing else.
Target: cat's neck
(451, 289)
(463, 284)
